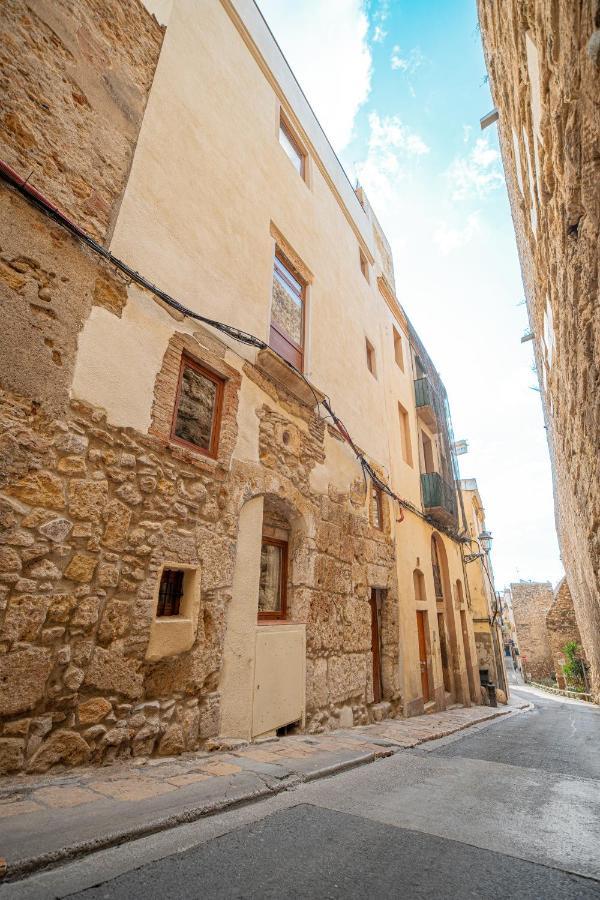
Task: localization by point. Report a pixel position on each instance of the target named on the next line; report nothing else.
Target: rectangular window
(170, 592)
(287, 312)
(272, 591)
(370, 358)
(428, 460)
(376, 507)
(405, 435)
(197, 408)
(398, 352)
(364, 264)
(291, 147)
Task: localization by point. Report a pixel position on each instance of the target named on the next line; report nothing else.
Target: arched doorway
(449, 650)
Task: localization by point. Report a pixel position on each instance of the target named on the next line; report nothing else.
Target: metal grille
(170, 592)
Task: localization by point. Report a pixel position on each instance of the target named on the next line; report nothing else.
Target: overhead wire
(33, 196)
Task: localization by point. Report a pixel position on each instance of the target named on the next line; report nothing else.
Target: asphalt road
(510, 810)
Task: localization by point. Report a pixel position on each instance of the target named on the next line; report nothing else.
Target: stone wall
(531, 601)
(543, 59)
(90, 512)
(561, 626)
(74, 79)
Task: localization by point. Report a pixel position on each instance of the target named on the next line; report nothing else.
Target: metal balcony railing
(423, 392)
(439, 497)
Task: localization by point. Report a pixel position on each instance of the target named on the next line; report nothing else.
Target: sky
(399, 87)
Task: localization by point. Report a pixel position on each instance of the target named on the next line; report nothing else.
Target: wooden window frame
(288, 131)
(377, 502)
(281, 614)
(283, 336)
(190, 363)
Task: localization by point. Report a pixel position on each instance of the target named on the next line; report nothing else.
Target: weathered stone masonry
(89, 514)
(543, 58)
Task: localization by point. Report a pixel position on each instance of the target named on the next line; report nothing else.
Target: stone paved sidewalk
(46, 819)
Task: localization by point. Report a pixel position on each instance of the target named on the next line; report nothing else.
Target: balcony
(439, 498)
(425, 404)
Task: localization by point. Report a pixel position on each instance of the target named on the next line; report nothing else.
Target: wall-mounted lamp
(485, 542)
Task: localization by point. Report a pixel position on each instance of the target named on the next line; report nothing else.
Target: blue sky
(399, 87)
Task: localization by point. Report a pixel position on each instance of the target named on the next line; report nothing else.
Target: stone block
(57, 530)
(39, 489)
(12, 752)
(93, 711)
(87, 498)
(110, 671)
(347, 676)
(118, 518)
(172, 741)
(65, 747)
(24, 617)
(81, 567)
(317, 694)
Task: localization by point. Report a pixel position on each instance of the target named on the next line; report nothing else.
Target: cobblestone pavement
(44, 819)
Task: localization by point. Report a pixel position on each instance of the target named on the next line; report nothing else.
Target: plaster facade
(98, 498)
(543, 61)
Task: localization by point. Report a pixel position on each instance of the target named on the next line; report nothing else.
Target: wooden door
(376, 601)
(422, 632)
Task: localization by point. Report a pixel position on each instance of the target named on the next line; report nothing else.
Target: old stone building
(543, 59)
(227, 487)
(561, 626)
(531, 601)
(485, 607)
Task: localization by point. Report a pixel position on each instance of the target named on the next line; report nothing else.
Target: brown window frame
(281, 614)
(190, 363)
(289, 133)
(377, 505)
(162, 601)
(283, 341)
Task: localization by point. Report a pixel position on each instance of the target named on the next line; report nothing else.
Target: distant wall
(531, 602)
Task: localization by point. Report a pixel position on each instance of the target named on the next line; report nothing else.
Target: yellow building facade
(231, 452)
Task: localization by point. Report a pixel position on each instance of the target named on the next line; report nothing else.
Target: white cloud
(448, 237)
(409, 62)
(392, 146)
(397, 61)
(379, 34)
(327, 48)
(477, 174)
(378, 19)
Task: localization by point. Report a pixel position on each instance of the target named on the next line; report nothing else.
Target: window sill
(282, 373)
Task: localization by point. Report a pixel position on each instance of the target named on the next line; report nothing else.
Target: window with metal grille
(170, 592)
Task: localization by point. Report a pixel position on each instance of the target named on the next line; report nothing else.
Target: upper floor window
(272, 591)
(405, 435)
(398, 352)
(287, 312)
(291, 147)
(376, 507)
(364, 264)
(170, 592)
(197, 407)
(371, 364)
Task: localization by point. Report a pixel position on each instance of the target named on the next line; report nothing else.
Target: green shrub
(574, 668)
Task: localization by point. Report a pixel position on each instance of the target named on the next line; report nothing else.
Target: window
(287, 312)
(197, 407)
(428, 461)
(405, 435)
(376, 507)
(364, 264)
(291, 147)
(272, 591)
(398, 353)
(170, 592)
(371, 358)
(419, 585)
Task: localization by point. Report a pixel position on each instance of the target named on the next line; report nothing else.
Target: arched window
(419, 585)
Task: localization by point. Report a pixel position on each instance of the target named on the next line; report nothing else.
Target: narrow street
(509, 808)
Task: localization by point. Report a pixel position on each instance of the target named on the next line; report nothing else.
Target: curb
(51, 860)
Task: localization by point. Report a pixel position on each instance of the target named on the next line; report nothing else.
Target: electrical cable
(33, 196)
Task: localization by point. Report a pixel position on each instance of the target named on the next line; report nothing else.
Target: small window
(287, 312)
(405, 435)
(428, 460)
(170, 592)
(272, 591)
(291, 147)
(198, 408)
(371, 358)
(376, 507)
(398, 352)
(364, 264)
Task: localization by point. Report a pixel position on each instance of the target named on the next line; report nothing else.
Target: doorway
(444, 653)
(422, 631)
(376, 603)
(468, 657)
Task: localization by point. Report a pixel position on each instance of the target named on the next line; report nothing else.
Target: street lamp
(485, 541)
